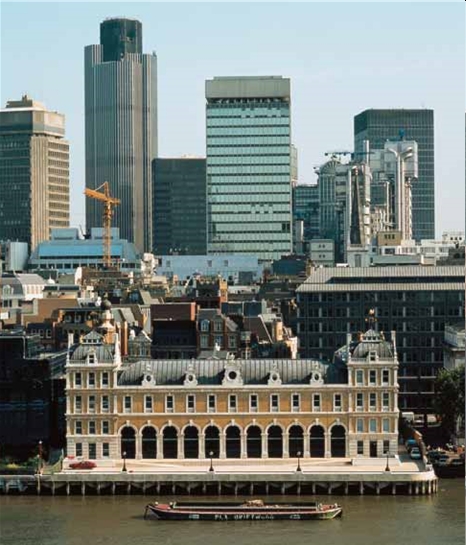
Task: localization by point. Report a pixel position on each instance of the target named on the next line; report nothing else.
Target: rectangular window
(360, 448)
(92, 451)
(295, 403)
(105, 427)
(127, 404)
(232, 403)
(274, 403)
(77, 380)
(105, 404)
(385, 401)
(190, 403)
(372, 377)
(91, 380)
(78, 427)
(204, 341)
(386, 425)
(169, 404)
(105, 450)
(253, 403)
(91, 427)
(91, 404)
(373, 425)
(316, 403)
(337, 405)
(78, 404)
(359, 401)
(359, 377)
(386, 447)
(360, 425)
(211, 403)
(147, 404)
(385, 377)
(372, 401)
(105, 381)
(79, 449)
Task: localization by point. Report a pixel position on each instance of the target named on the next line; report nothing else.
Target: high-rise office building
(378, 126)
(249, 166)
(306, 212)
(34, 172)
(179, 207)
(121, 127)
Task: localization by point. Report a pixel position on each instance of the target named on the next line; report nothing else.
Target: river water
(118, 520)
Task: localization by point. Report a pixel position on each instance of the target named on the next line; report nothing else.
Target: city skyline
(333, 79)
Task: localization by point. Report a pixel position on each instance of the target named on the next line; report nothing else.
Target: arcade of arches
(233, 442)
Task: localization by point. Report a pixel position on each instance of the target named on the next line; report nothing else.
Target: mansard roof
(211, 372)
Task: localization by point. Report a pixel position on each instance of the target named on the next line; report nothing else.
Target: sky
(342, 58)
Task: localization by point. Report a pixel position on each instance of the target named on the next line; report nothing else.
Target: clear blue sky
(342, 58)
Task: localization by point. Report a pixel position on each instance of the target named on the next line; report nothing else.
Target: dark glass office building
(414, 301)
(378, 126)
(179, 206)
(306, 209)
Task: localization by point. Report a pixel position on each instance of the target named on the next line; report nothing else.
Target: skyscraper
(249, 166)
(180, 211)
(121, 127)
(34, 172)
(378, 126)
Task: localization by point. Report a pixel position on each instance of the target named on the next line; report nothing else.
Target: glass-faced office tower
(378, 126)
(249, 166)
(121, 127)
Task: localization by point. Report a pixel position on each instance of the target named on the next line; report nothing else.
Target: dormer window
(91, 358)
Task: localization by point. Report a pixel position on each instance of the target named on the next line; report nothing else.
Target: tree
(449, 397)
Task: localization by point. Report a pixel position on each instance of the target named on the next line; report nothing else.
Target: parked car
(85, 464)
(434, 455)
(442, 460)
(410, 443)
(415, 453)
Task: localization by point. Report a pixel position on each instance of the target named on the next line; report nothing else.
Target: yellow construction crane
(109, 202)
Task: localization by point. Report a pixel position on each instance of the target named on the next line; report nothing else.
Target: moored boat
(249, 510)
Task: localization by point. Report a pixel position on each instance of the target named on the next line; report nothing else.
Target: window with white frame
(359, 377)
(79, 449)
(385, 377)
(91, 427)
(78, 427)
(386, 447)
(91, 380)
(253, 403)
(105, 404)
(148, 406)
(232, 341)
(105, 450)
(204, 341)
(360, 425)
(190, 403)
(105, 381)
(385, 401)
(372, 401)
(316, 402)
(274, 403)
(127, 404)
(211, 403)
(78, 404)
(372, 377)
(373, 425)
(169, 403)
(219, 341)
(232, 403)
(105, 427)
(91, 358)
(337, 403)
(92, 451)
(360, 447)
(77, 380)
(359, 401)
(386, 425)
(218, 326)
(91, 404)
(295, 402)
(205, 325)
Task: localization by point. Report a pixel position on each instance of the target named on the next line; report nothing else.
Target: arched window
(295, 441)
(149, 442)
(275, 442)
(233, 442)
(191, 442)
(338, 442)
(128, 442)
(170, 442)
(254, 442)
(317, 442)
(212, 441)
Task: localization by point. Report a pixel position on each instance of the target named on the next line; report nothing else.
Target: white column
(306, 445)
(223, 453)
(138, 446)
(181, 446)
(328, 452)
(202, 445)
(265, 450)
(286, 444)
(244, 450)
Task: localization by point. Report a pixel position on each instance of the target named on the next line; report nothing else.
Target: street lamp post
(211, 455)
(387, 467)
(124, 462)
(39, 461)
(298, 454)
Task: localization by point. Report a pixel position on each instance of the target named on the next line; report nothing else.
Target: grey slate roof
(211, 372)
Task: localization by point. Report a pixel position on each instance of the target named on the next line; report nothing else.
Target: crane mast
(109, 203)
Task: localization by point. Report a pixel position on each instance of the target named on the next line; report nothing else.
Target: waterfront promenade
(236, 476)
